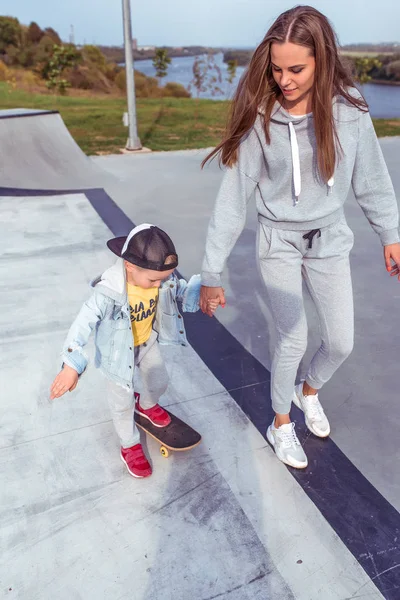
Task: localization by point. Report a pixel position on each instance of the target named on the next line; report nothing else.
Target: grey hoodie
(288, 190)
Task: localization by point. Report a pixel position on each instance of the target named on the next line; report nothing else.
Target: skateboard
(178, 436)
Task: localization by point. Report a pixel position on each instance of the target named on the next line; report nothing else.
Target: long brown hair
(306, 26)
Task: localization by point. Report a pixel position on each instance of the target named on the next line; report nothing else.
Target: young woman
(299, 136)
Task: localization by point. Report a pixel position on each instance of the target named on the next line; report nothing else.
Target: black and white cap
(146, 246)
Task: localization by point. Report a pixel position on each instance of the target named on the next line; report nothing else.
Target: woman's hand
(210, 298)
(392, 255)
(66, 381)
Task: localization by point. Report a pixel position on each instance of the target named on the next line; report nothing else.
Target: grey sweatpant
(150, 368)
(285, 259)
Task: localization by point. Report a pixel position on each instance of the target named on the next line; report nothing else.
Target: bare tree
(207, 77)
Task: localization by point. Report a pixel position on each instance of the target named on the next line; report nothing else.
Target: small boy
(133, 308)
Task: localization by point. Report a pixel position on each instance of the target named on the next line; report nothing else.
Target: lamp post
(133, 142)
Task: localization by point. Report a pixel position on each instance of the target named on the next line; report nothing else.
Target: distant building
(145, 48)
(134, 44)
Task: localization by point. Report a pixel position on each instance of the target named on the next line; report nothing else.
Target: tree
(206, 76)
(10, 32)
(34, 33)
(161, 61)
(95, 55)
(62, 57)
(393, 70)
(232, 70)
(363, 67)
(51, 33)
(43, 52)
(23, 57)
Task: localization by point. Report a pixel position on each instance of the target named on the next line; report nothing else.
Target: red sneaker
(156, 415)
(135, 461)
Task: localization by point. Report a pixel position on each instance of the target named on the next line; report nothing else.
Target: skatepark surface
(225, 520)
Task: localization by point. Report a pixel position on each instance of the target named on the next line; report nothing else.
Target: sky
(226, 23)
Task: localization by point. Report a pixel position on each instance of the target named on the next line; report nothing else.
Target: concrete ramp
(38, 152)
(225, 521)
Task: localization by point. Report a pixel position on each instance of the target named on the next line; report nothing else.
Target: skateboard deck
(177, 436)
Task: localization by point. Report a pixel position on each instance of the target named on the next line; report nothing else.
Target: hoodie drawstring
(296, 165)
(295, 161)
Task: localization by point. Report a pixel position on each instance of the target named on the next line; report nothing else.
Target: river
(383, 100)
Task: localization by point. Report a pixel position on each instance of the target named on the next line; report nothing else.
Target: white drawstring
(296, 162)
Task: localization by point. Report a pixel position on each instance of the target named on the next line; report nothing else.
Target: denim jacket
(107, 313)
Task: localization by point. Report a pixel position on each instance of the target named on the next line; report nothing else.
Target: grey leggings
(150, 368)
(322, 260)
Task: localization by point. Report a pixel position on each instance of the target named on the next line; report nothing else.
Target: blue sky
(203, 22)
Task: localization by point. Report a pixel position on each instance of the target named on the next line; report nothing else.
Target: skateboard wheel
(164, 452)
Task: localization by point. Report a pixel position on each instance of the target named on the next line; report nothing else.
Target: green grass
(96, 122)
(387, 127)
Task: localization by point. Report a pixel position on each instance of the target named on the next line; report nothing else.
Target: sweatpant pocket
(265, 236)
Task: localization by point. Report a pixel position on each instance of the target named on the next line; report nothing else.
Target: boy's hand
(211, 293)
(392, 254)
(65, 381)
(212, 305)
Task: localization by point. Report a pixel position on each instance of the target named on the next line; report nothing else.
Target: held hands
(212, 305)
(211, 298)
(392, 255)
(66, 381)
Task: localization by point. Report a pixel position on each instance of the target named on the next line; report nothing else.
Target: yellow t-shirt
(143, 305)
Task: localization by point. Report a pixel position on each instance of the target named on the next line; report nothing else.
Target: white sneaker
(287, 446)
(316, 419)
